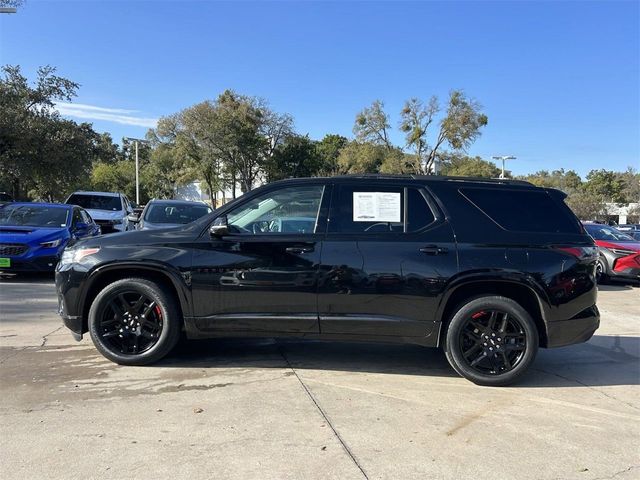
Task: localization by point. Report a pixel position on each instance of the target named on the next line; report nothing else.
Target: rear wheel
(491, 341)
(134, 322)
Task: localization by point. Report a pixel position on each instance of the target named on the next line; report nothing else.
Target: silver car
(169, 213)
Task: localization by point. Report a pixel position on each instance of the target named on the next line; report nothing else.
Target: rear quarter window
(522, 210)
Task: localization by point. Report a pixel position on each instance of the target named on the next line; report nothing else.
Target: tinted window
(77, 218)
(367, 209)
(95, 202)
(523, 210)
(287, 210)
(34, 216)
(419, 214)
(86, 218)
(174, 213)
(349, 217)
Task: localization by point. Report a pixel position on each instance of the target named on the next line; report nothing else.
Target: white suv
(109, 210)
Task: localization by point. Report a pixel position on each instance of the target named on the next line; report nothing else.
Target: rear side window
(523, 210)
(377, 209)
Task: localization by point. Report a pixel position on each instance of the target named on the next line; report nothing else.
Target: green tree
(372, 125)
(329, 149)
(296, 157)
(119, 176)
(465, 166)
(165, 172)
(359, 157)
(459, 127)
(587, 205)
(35, 141)
(605, 184)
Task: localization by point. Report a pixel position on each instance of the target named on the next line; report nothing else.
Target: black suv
(489, 270)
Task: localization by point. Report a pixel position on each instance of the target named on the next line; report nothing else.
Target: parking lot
(300, 409)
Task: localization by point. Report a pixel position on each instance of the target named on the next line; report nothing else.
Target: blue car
(33, 235)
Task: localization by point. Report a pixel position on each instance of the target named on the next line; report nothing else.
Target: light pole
(135, 142)
(504, 158)
(8, 10)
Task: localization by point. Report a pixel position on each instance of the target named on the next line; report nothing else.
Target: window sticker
(376, 207)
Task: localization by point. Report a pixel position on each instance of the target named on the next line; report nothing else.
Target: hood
(159, 226)
(141, 237)
(105, 214)
(31, 235)
(635, 246)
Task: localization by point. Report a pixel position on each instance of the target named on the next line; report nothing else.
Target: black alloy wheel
(131, 322)
(135, 321)
(491, 340)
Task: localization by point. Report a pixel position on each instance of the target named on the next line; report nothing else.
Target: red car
(619, 253)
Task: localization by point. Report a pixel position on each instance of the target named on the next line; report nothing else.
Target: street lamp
(504, 158)
(135, 142)
(8, 10)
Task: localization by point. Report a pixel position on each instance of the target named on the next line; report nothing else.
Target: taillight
(582, 253)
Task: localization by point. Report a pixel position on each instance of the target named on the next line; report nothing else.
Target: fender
(497, 276)
(180, 280)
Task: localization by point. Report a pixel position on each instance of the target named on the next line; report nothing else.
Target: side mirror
(133, 218)
(80, 226)
(220, 228)
(218, 231)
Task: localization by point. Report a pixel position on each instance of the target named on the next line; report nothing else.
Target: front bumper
(578, 329)
(45, 263)
(67, 287)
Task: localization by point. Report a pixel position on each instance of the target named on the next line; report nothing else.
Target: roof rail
(435, 178)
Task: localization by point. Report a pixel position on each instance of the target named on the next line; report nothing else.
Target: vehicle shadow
(618, 286)
(603, 361)
(30, 277)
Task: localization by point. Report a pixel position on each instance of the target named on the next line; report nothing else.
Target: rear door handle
(434, 250)
(298, 249)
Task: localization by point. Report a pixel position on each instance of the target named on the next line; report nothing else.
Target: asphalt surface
(299, 409)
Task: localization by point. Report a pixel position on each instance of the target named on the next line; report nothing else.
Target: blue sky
(560, 81)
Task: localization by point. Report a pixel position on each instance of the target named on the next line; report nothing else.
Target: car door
(385, 261)
(263, 275)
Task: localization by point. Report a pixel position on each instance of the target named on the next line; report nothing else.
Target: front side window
(291, 210)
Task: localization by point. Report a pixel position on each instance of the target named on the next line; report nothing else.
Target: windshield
(95, 202)
(603, 232)
(174, 213)
(34, 216)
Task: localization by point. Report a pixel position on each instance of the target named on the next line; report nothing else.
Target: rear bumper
(578, 329)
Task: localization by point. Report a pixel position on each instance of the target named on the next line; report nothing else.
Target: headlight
(52, 244)
(620, 251)
(76, 255)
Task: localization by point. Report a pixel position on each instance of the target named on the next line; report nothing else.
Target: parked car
(629, 228)
(488, 270)
(33, 235)
(619, 253)
(169, 213)
(5, 198)
(109, 210)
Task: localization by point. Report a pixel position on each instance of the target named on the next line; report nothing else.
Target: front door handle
(298, 249)
(434, 250)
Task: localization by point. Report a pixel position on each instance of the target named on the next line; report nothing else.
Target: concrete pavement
(301, 409)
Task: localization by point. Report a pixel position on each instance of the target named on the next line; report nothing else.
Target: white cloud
(115, 115)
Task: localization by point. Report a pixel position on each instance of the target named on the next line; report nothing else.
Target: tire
(489, 356)
(144, 333)
(601, 271)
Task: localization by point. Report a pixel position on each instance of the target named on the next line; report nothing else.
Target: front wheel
(134, 322)
(601, 271)
(491, 341)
